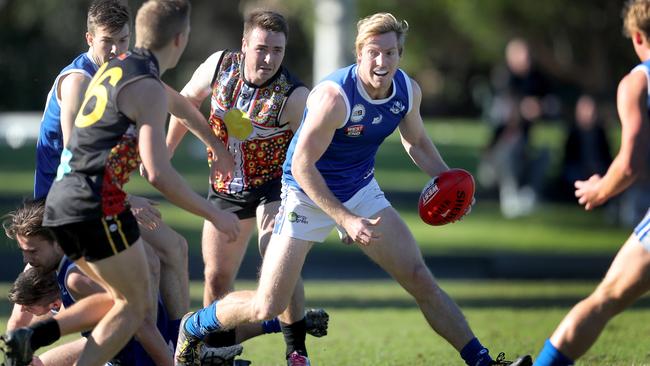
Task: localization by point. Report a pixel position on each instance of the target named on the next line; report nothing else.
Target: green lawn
(376, 323)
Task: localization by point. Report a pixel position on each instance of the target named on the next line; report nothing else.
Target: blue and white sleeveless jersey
(61, 276)
(348, 164)
(50, 139)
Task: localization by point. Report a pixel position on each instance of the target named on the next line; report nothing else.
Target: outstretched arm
(631, 102)
(196, 90)
(186, 114)
(145, 102)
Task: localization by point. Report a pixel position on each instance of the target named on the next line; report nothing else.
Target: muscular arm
(196, 90)
(635, 142)
(415, 140)
(145, 102)
(294, 108)
(326, 112)
(19, 318)
(71, 93)
(185, 114)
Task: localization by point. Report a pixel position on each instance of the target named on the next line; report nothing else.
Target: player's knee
(267, 310)
(419, 279)
(175, 252)
(218, 283)
(135, 308)
(609, 300)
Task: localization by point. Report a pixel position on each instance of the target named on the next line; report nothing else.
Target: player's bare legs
(398, 254)
(65, 354)
(279, 277)
(171, 248)
(627, 279)
(222, 258)
(130, 292)
(265, 221)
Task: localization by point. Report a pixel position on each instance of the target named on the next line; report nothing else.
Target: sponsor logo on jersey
(294, 217)
(397, 107)
(354, 131)
(358, 112)
(377, 120)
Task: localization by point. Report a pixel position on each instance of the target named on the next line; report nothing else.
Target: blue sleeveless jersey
(348, 164)
(61, 275)
(50, 139)
(133, 354)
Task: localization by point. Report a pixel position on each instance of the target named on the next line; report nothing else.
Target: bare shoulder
(141, 97)
(328, 94)
(73, 82)
(635, 81)
(81, 285)
(74, 78)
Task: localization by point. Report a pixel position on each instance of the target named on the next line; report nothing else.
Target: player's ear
(89, 39)
(178, 39)
(244, 45)
(638, 37)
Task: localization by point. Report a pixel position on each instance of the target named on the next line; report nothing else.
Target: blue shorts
(642, 231)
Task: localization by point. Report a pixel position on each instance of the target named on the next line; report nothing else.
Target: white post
(334, 32)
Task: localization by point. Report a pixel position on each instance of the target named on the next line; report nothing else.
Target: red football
(446, 197)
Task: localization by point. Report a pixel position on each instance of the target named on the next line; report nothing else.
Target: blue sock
(172, 330)
(271, 326)
(551, 356)
(475, 354)
(203, 322)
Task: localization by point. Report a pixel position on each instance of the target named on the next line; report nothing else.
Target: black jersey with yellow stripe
(103, 147)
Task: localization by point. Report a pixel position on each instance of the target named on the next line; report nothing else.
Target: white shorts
(642, 231)
(299, 217)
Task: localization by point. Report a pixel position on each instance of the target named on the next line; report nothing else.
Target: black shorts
(245, 203)
(98, 239)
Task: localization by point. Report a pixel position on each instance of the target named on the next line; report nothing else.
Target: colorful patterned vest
(246, 118)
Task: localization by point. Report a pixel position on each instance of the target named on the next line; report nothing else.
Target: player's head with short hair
(109, 30)
(267, 20)
(377, 24)
(636, 17)
(36, 292)
(159, 21)
(37, 243)
(263, 45)
(112, 15)
(27, 221)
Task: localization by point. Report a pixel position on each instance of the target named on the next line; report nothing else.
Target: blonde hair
(380, 23)
(159, 21)
(636, 17)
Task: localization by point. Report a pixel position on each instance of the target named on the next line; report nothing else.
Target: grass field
(373, 321)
